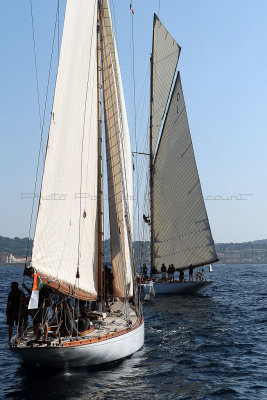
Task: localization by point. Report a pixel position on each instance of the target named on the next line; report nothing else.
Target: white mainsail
(118, 162)
(166, 53)
(181, 226)
(66, 230)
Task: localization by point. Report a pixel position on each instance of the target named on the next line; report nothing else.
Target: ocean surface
(207, 346)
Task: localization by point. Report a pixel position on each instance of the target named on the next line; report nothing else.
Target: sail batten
(182, 234)
(66, 229)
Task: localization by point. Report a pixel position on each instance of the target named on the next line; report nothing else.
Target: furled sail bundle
(182, 232)
(66, 230)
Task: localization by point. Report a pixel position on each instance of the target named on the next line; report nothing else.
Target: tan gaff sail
(182, 232)
(118, 162)
(166, 53)
(66, 231)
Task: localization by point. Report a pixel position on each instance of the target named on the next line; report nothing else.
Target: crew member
(153, 274)
(14, 309)
(181, 276)
(191, 273)
(163, 272)
(171, 271)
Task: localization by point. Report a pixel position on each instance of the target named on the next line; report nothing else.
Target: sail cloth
(182, 232)
(118, 162)
(66, 230)
(166, 53)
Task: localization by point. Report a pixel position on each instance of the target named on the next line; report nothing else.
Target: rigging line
(159, 8)
(107, 59)
(124, 182)
(124, 172)
(41, 121)
(142, 143)
(134, 96)
(142, 98)
(114, 22)
(139, 182)
(88, 159)
(36, 68)
(83, 134)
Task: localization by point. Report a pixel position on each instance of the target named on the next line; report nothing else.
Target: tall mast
(152, 246)
(99, 163)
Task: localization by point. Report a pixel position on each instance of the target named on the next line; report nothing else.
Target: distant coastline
(13, 251)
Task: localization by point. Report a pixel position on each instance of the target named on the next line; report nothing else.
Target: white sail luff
(64, 236)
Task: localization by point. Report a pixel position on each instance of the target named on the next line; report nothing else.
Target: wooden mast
(99, 164)
(152, 245)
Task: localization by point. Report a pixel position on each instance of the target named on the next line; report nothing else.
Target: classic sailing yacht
(180, 230)
(67, 250)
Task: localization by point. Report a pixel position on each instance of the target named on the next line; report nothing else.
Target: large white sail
(181, 227)
(66, 231)
(166, 53)
(118, 162)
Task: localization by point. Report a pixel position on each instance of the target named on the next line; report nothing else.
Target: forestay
(66, 231)
(182, 232)
(166, 53)
(118, 162)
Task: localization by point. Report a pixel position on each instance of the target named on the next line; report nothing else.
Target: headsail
(165, 53)
(181, 226)
(118, 162)
(66, 231)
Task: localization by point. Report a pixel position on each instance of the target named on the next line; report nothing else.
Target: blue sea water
(207, 346)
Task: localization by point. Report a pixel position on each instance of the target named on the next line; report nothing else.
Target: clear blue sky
(223, 68)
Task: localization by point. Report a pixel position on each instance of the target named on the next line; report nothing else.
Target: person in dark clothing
(42, 314)
(144, 273)
(153, 273)
(83, 322)
(108, 284)
(163, 272)
(181, 277)
(146, 219)
(171, 271)
(14, 309)
(25, 306)
(191, 274)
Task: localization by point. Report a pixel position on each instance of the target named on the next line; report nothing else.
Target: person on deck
(83, 322)
(144, 273)
(199, 276)
(171, 271)
(14, 309)
(108, 284)
(163, 272)
(181, 277)
(41, 317)
(191, 274)
(25, 303)
(153, 274)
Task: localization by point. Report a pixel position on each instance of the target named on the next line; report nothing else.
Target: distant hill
(229, 253)
(243, 253)
(15, 246)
